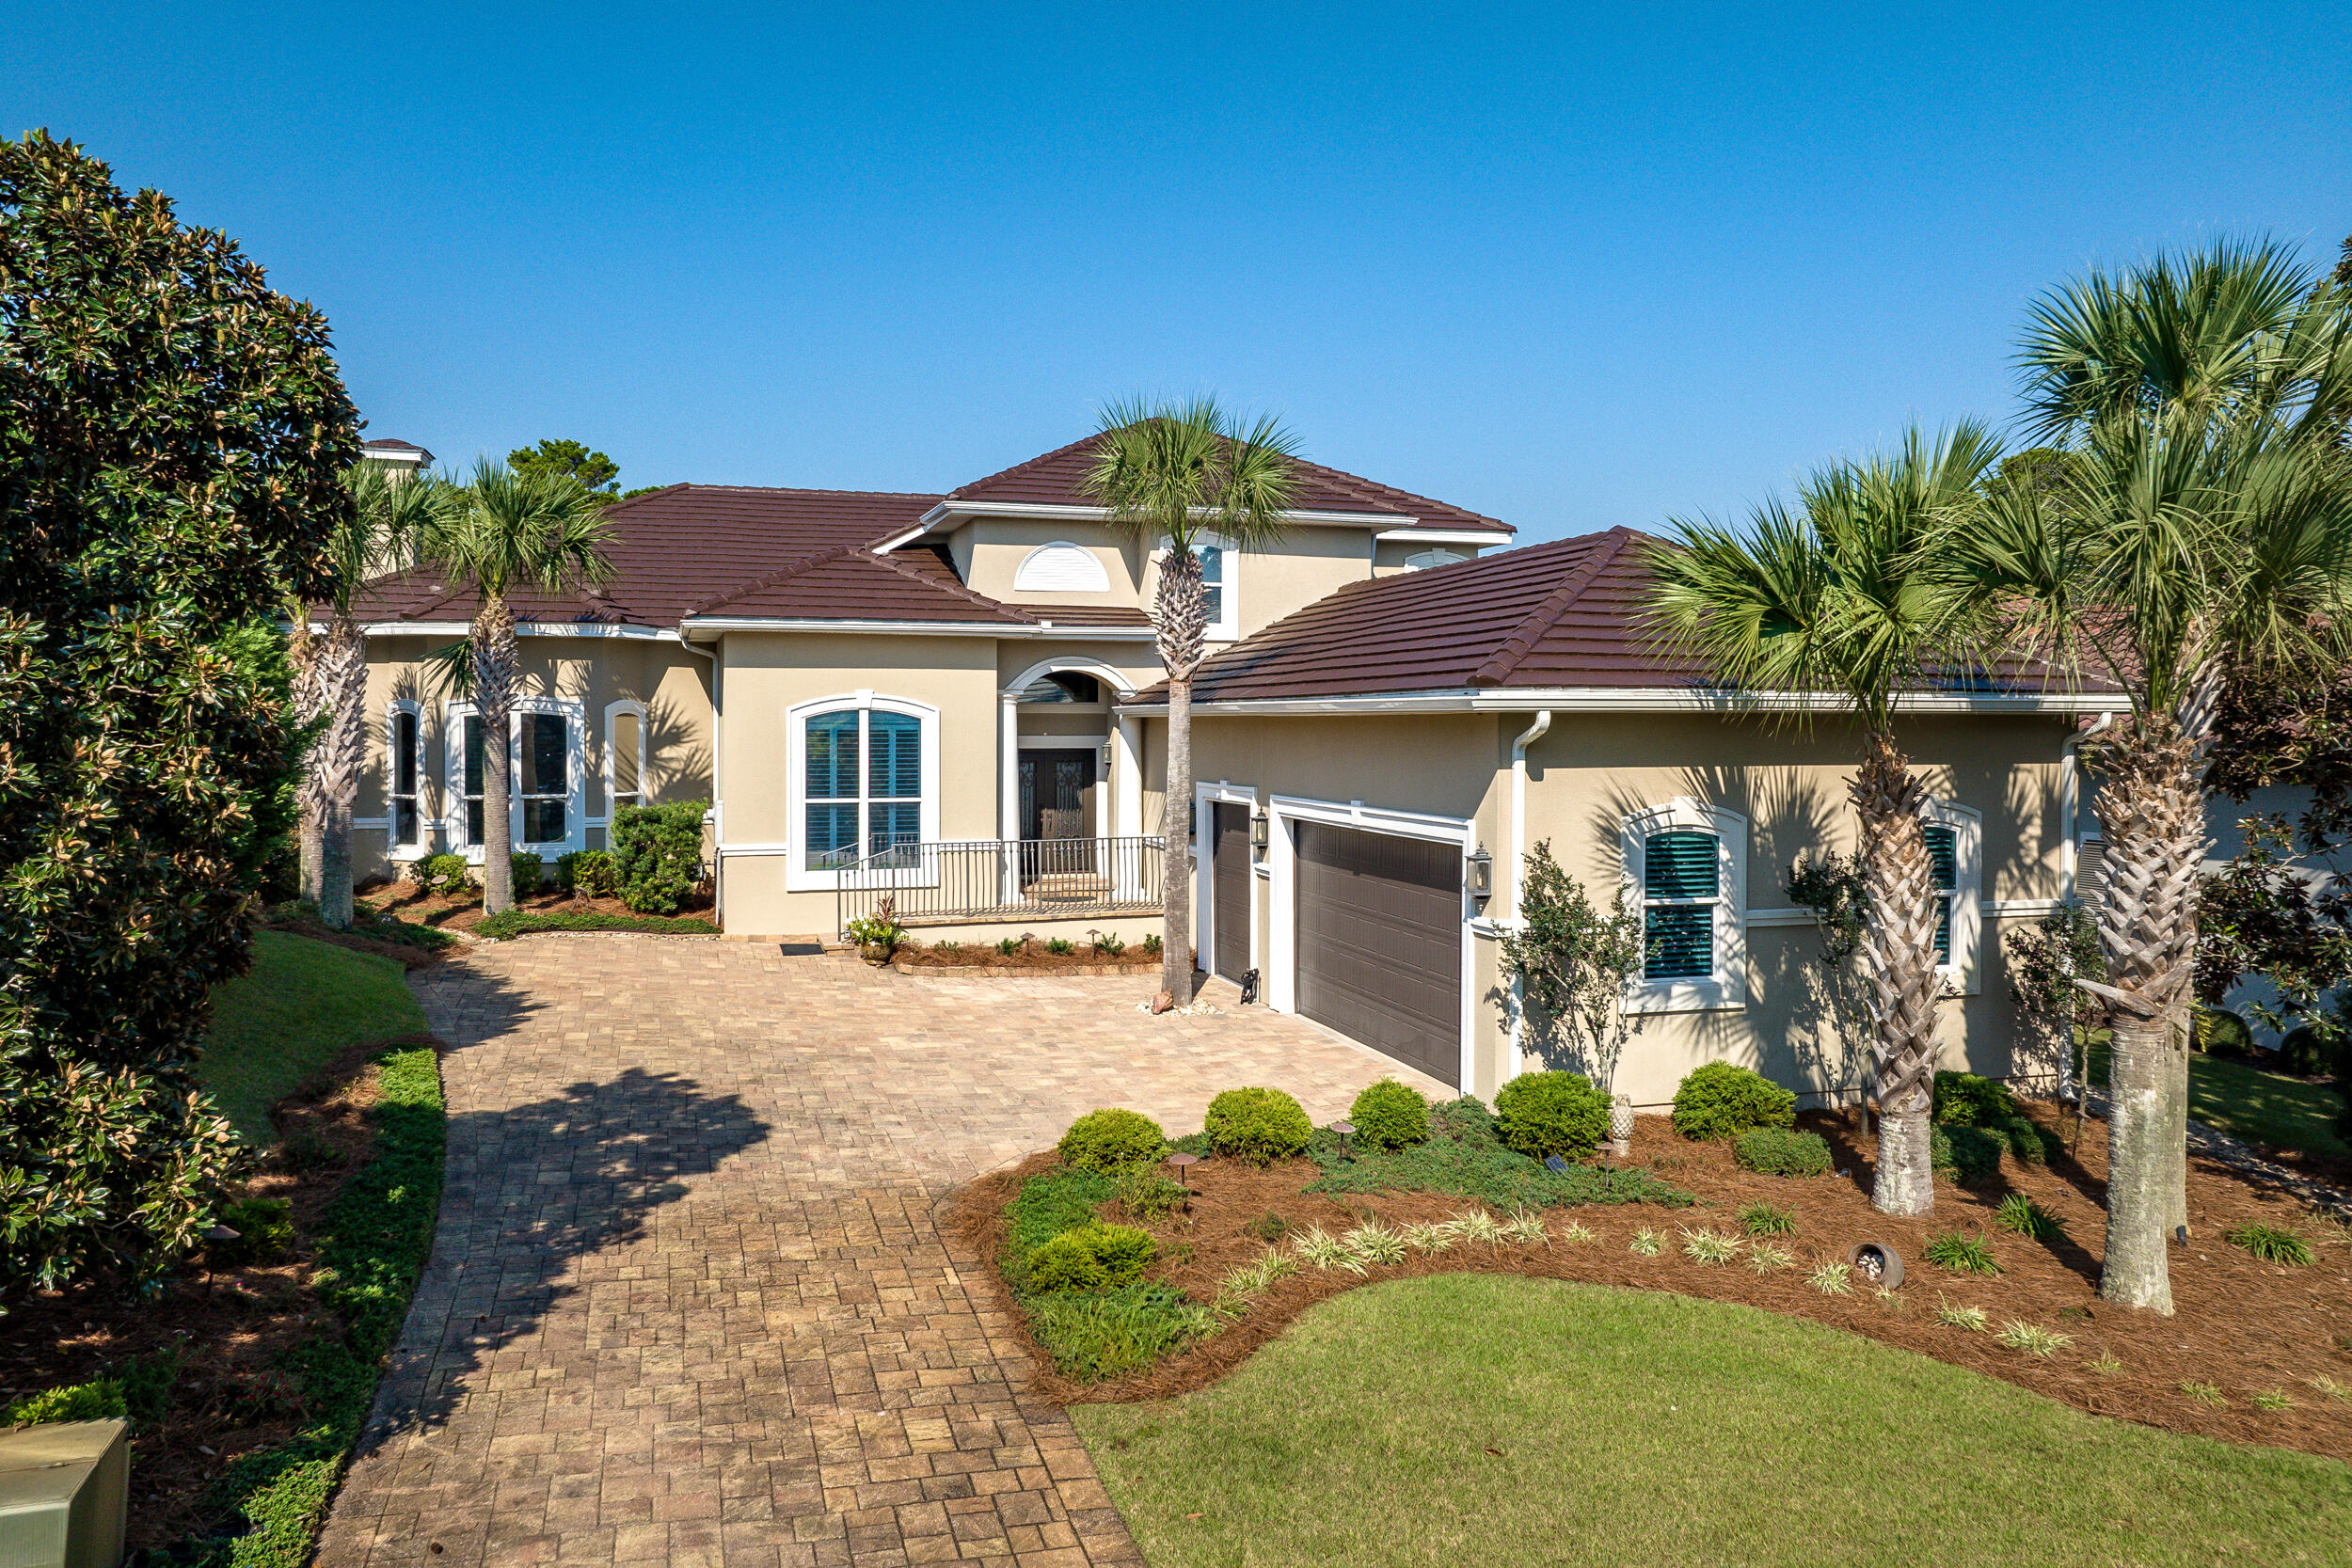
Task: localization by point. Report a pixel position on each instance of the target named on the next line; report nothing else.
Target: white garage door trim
(1281, 933)
(1205, 795)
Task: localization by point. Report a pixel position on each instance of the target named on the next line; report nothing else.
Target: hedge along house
(1373, 767)
(882, 695)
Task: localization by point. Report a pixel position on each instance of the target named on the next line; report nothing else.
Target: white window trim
(1096, 578)
(1963, 971)
(1726, 989)
(799, 877)
(1282, 931)
(644, 794)
(1227, 626)
(455, 715)
(425, 824)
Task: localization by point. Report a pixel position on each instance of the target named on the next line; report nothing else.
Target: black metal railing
(1003, 879)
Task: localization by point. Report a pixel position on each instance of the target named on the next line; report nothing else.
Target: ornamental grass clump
(1766, 1257)
(1389, 1115)
(1525, 1227)
(1577, 1231)
(1109, 1139)
(1832, 1277)
(1257, 1126)
(1762, 1219)
(2270, 1243)
(1429, 1237)
(1722, 1101)
(1324, 1250)
(1645, 1242)
(2032, 1339)
(1780, 1152)
(1704, 1246)
(1477, 1224)
(1375, 1244)
(1960, 1253)
(2023, 1216)
(1971, 1320)
(1543, 1113)
(1245, 1283)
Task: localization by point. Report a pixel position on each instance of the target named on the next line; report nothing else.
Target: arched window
(1686, 868)
(1061, 567)
(863, 784)
(1422, 561)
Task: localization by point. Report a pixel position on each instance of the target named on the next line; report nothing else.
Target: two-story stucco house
(948, 699)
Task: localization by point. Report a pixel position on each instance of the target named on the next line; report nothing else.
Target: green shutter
(1679, 865)
(1678, 941)
(1944, 849)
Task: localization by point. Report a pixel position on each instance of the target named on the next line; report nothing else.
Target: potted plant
(878, 935)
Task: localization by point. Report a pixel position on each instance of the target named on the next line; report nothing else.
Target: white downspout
(1533, 733)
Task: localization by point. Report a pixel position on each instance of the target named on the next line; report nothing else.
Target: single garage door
(1380, 942)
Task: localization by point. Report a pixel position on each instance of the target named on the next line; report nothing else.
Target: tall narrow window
(627, 745)
(543, 784)
(400, 779)
(1944, 850)
(473, 779)
(863, 792)
(1213, 577)
(1681, 888)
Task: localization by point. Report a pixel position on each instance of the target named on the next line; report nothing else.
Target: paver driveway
(688, 1302)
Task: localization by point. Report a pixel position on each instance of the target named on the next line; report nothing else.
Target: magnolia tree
(173, 439)
(1569, 962)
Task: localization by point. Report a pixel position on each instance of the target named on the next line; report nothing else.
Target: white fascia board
(1440, 536)
(714, 624)
(1636, 700)
(1055, 512)
(522, 628)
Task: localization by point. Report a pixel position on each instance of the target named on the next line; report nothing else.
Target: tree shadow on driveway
(534, 1191)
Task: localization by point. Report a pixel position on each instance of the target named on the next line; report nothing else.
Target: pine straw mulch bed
(405, 900)
(1031, 958)
(232, 1399)
(2240, 1325)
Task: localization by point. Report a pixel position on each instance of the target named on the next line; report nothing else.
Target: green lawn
(1640, 1427)
(305, 1003)
(2261, 1107)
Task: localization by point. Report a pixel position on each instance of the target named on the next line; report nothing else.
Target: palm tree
(1840, 599)
(2202, 534)
(506, 532)
(331, 675)
(1183, 477)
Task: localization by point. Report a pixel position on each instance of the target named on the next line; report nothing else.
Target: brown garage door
(1229, 886)
(1380, 942)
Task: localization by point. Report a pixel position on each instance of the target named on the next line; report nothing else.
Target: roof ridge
(1555, 603)
(807, 490)
(957, 589)
(1025, 462)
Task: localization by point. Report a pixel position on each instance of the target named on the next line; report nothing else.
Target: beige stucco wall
(594, 672)
(989, 552)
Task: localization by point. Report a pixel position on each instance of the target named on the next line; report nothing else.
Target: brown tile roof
(1567, 613)
(853, 584)
(1055, 478)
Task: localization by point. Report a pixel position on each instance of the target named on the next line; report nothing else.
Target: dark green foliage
(1148, 1195)
(1107, 1139)
(1960, 1253)
(1722, 1101)
(517, 922)
(1257, 1126)
(1780, 1152)
(405, 933)
(444, 874)
(1091, 1333)
(371, 1246)
(593, 471)
(1058, 945)
(2272, 1244)
(1762, 1219)
(307, 1151)
(1152, 942)
(100, 1400)
(1964, 1100)
(1191, 1143)
(173, 437)
(2223, 1032)
(1102, 1333)
(587, 872)
(1543, 1113)
(1390, 1115)
(1046, 1206)
(2023, 1216)
(657, 854)
(1092, 1256)
(266, 1232)
(1463, 1156)
(1268, 1227)
(2309, 1052)
(1571, 961)
(527, 870)
(1008, 946)
(1964, 1154)
(146, 1382)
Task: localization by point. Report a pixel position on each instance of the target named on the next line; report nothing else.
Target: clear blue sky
(1573, 266)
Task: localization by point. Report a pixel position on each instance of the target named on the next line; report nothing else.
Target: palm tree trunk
(1898, 950)
(1175, 824)
(2150, 808)
(341, 752)
(493, 691)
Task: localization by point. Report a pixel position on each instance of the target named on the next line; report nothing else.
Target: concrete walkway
(687, 1303)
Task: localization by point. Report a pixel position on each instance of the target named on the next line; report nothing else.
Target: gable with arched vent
(1061, 567)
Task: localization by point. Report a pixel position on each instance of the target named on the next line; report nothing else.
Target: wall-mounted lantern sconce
(1260, 829)
(1482, 875)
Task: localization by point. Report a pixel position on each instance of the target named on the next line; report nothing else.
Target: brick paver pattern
(688, 1302)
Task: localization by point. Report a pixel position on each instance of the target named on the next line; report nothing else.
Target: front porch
(1004, 882)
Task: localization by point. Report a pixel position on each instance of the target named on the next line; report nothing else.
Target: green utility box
(65, 1489)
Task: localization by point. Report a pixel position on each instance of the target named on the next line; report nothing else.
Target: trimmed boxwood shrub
(526, 871)
(1964, 1100)
(1390, 1115)
(1106, 1140)
(1723, 1101)
(2223, 1032)
(1543, 1113)
(443, 874)
(657, 854)
(1963, 1153)
(1779, 1151)
(588, 872)
(1257, 1126)
(1090, 1257)
(2304, 1054)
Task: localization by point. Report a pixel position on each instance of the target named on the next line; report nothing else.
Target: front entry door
(1057, 788)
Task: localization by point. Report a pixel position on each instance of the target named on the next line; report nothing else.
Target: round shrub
(1090, 1257)
(1543, 1113)
(445, 874)
(1106, 1140)
(2222, 1032)
(1964, 1154)
(1257, 1126)
(2304, 1054)
(1720, 1101)
(527, 872)
(1778, 1151)
(1390, 1115)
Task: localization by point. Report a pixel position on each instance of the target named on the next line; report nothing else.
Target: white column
(1008, 794)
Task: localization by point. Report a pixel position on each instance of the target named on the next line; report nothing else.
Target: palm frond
(450, 667)
(1183, 471)
(504, 530)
